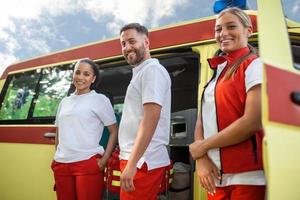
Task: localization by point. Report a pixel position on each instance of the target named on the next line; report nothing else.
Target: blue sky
(36, 27)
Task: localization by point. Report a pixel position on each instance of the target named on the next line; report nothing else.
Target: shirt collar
(139, 67)
(81, 95)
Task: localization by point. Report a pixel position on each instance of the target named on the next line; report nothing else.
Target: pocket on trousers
(89, 166)
(53, 164)
(59, 168)
(94, 162)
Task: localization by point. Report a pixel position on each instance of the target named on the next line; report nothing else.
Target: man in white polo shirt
(145, 123)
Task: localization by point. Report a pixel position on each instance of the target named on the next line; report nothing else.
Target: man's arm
(145, 133)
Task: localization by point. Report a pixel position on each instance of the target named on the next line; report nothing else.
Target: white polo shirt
(80, 120)
(150, 83)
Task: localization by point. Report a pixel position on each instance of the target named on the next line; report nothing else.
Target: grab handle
(295, 97)
(49, 135)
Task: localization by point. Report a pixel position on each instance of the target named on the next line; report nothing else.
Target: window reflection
(53, 86)
(19, 95)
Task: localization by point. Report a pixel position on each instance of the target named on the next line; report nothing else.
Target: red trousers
(81, 180)
(146, 183)
(239, 192)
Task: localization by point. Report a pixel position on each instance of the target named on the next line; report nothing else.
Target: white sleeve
(155, 85)
(254, 74)
(106, 111)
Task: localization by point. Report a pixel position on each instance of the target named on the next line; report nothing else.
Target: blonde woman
(228, 134)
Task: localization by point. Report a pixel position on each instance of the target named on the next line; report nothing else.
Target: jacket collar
(230, 57)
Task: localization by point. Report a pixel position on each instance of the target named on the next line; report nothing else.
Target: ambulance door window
(114, 79)
(18, 96)
(54, 85)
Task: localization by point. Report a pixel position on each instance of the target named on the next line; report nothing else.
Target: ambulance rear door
(280, 51)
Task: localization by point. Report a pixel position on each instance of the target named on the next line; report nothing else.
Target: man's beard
(140, 54)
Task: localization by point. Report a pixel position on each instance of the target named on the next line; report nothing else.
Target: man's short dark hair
(138, 27)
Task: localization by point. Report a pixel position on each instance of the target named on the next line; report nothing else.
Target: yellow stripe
(115, 183)
(116, 173)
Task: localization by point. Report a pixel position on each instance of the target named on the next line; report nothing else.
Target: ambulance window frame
(30, 119)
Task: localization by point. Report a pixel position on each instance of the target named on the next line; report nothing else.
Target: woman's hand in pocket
(102, 163)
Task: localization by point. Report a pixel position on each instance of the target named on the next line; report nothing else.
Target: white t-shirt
(80, 120)
(253, 76)
(150, 83)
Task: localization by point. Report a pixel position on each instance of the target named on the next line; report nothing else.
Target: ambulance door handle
(295, 97)
(49, 135)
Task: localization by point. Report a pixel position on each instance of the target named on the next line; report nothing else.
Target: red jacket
(230, 99)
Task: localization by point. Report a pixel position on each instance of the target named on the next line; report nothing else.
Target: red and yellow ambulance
(32, 89)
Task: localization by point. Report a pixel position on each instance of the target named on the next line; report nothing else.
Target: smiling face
(83, 77)
(135, 46)
(230, 33)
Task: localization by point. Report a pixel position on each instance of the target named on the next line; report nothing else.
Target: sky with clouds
(36, 27)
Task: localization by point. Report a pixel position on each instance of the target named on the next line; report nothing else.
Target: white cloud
(26, 26)
(296, 8)
(166, 8)
(123, 12)
(40, 46)
(5, 60)
(116, 13)
(11, 36)
(9, 46)
(58, 7)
